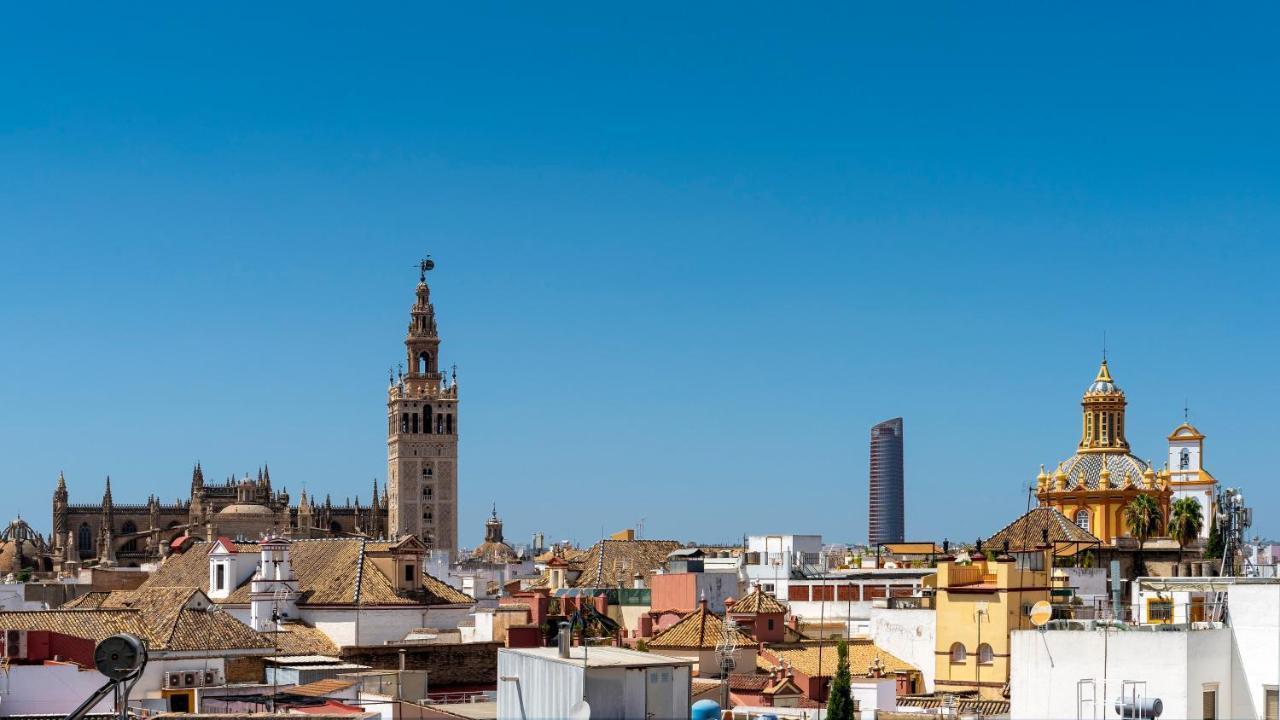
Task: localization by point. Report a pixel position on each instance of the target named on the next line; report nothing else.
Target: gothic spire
(197, 477)
(106, 495)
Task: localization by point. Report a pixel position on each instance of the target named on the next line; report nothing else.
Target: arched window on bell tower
(426, 419)
(424, 362)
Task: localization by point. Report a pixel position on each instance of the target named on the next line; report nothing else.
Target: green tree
(1213, 548)
(1144, 519)
(839, 699)
(1185, 522)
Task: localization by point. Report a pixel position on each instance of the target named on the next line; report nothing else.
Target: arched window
(440, 423)
(1082, 519)
(426, 419)
(415, 423)
(128, 528)
(84, 538)
(957, 653)
(985, 656)
(335, 528)
(448, 424)
(427, 492)
(424, 362)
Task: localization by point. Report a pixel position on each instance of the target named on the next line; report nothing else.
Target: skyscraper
(885, 514)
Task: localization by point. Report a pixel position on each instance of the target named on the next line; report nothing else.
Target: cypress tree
(839, 701)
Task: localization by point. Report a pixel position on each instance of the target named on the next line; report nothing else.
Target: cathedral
(419, 498)
(1092, 486)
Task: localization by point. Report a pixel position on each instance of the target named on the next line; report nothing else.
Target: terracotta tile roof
(758, 601)
(321, 688)
(88, 601)
(329, 572)
(1027, 531)
(88, 624)
(167, 618)
(804, 658)
(444, 592)
(964, 705)
(753, 682)
(299, 639)
(700, 629)
(212, 630)
(614, 563)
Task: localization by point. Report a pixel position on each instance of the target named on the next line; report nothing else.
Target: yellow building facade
(977, 605)
(1092, 487)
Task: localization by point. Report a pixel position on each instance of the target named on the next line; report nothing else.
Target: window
(1159, 611)
(823, 593)
(415, 422)
(770, 623)
(1082, 519)
(985, 656)
(219, 577)
(129, 528)
(424, 363)
(798, 592)
(1209, 703)
(957, 653)
(448, 424)
(427, 492)
(426, 419)
(427, 516)
(847, 592)
(84, 538)
(408, 573)
(766, 587)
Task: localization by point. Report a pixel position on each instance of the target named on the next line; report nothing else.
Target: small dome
(1106, 470)
(1103, 384)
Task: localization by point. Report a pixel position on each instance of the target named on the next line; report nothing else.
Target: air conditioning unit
(184, 679)
(15, 644)
(212, 677)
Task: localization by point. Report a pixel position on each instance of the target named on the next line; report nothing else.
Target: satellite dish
(1041, 613)
(120, 656)
(580, 711)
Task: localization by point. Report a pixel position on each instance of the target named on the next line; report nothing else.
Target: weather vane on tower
(425, 266)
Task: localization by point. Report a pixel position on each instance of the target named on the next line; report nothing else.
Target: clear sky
(687, 256)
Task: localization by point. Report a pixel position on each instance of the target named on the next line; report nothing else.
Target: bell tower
(422, 435)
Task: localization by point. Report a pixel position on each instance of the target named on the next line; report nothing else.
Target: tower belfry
(422, 434)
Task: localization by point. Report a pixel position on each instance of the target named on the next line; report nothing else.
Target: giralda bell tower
(422, 435)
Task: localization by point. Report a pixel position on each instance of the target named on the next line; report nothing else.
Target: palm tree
(1144, 519)
(1185, 522)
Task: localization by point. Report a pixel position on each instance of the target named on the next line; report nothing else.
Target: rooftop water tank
(705, 710)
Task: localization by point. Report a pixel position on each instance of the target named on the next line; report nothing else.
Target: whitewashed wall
(1046, 667)
(49, 690)
(910, 635)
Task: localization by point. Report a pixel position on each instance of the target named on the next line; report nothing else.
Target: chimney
(729, 602)
(563, 640)
(637, 581)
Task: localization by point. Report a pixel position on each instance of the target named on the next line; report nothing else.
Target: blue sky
(686, 256)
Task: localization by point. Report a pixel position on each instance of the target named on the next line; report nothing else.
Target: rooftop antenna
(1104, 346)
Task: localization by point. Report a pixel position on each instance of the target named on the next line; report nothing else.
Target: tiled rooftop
(326, 571)
(862, 653)
(614, 563)
(700, 629)
(758, 601)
